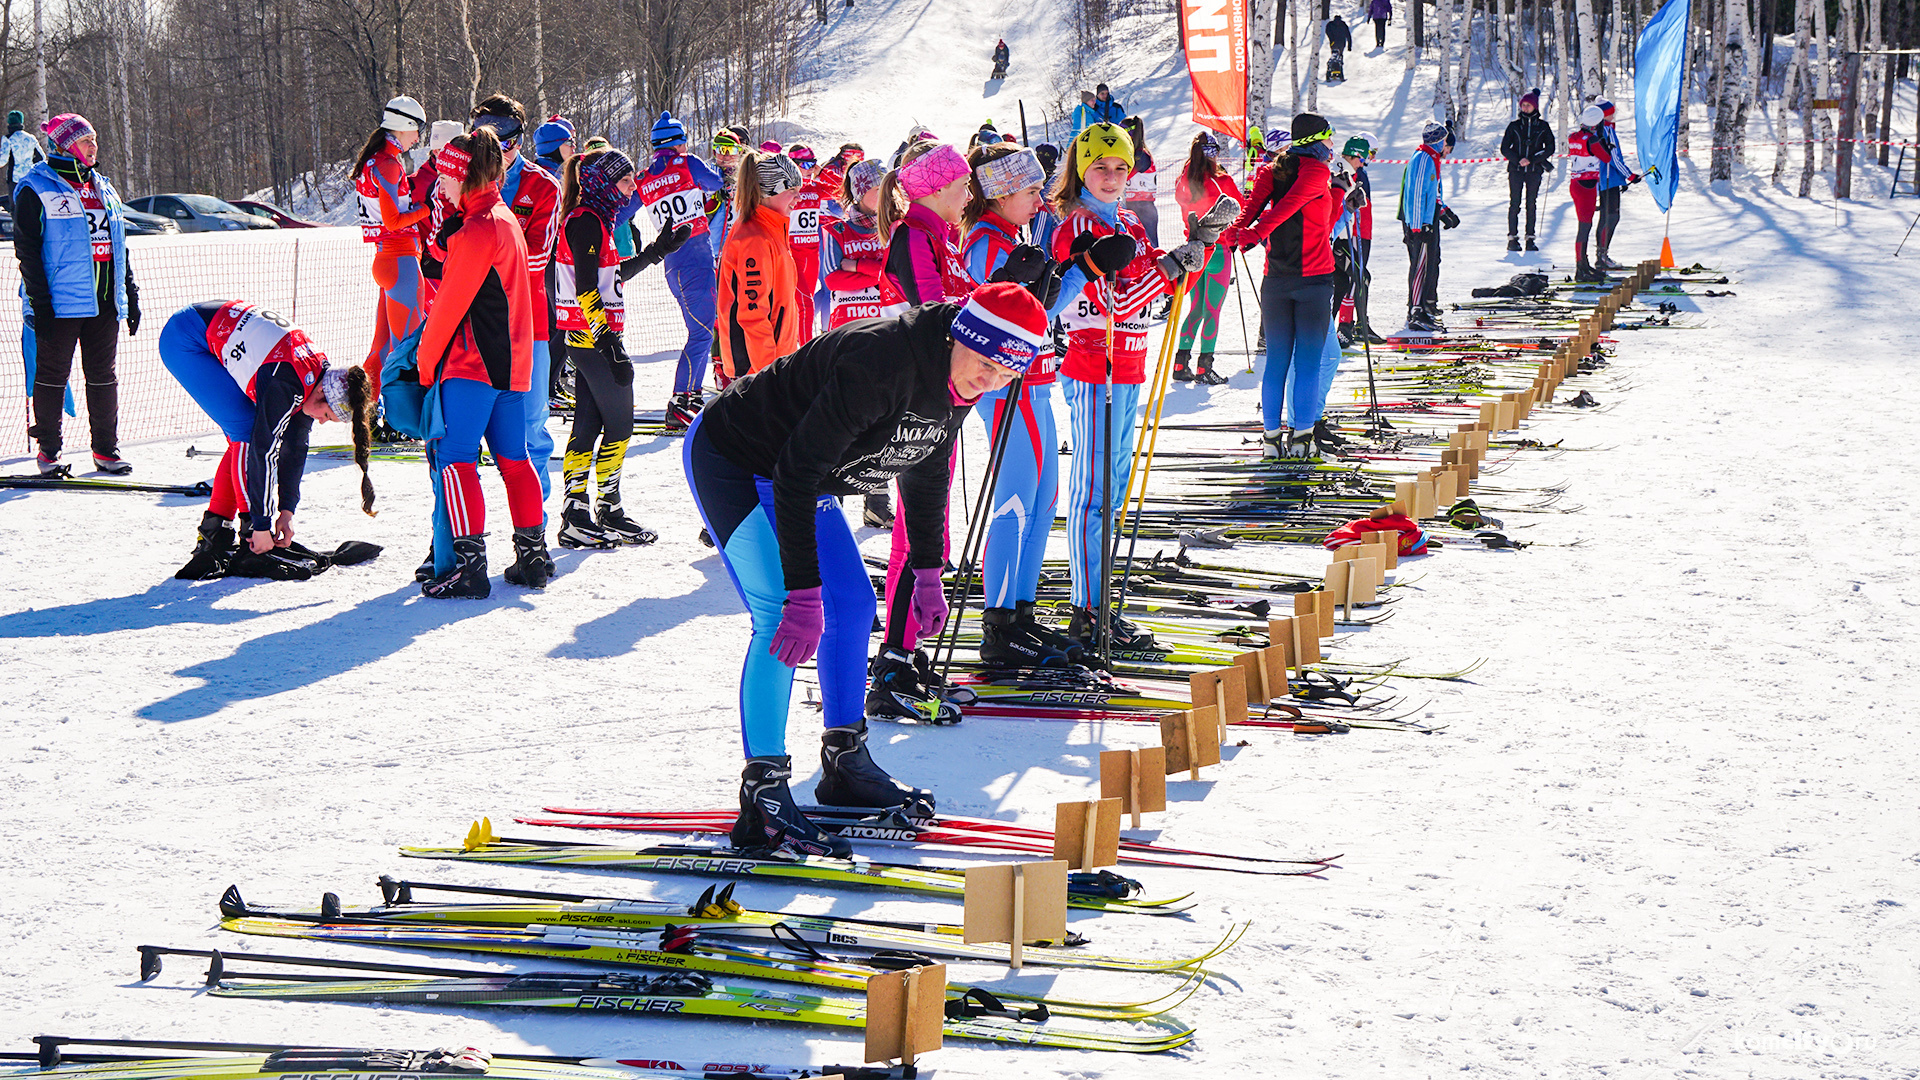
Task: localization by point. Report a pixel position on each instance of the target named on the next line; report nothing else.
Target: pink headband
(932, 171)
(452, 163)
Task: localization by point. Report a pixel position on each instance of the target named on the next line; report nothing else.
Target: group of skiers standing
(1597, 173)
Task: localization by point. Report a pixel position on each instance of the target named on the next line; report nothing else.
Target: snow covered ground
(1669, 832)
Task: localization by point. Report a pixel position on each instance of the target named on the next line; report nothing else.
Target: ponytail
(360, 405)
(374, 142)
(747, 194)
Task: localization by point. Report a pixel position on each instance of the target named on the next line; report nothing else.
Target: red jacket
(1299, 222)
(1412, 540)
(1137, 285)
(480, 326)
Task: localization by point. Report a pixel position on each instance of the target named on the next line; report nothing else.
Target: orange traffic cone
(1666, 254)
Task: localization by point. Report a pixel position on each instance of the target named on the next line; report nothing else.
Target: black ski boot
(424, 572)
(1531, 246)
(579, 530)
(1007, 642)
(1585, 271)
(614, 522)
(937, 685)
(849, 776)
(1513, 243)
(1205, 373)
(1326, 437)
(468, 578)
(1347, 335)
(1127, 638)
(532, 566)
(1273, 444)
(876, 510)
(770, 822)
(894, 693)
(1183, 366)
(211, 552)
(681, 409)
(1024, 617)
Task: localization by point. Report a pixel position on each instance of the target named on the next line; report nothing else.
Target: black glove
(1025, 265)
(1103, 257)
(1448, 219)
(133, 314)
(447, 228)
(616, 354)
(1356, 197)
(1046, 288)
(665, 244)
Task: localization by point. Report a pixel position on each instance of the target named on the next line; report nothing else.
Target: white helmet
(403, 114)
(1591, 116)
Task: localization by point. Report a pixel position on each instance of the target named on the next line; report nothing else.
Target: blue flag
(1657, 66)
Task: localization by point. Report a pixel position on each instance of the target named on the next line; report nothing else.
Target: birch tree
(1313, 63)
(1589, 49)
(1260, 63)
(1730, 107)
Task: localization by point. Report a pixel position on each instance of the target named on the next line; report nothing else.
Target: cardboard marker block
(1405, 500)
(1445, 488)
(1138, 778)
(1424, 503)
(1503, 411)
(1015, 903)
(1190, 740)
(1299, 634)
(1383, 544)
(1365, 579)
(1266, 670)
(1087, 834)
(906, 1010)
(1527, 398)
(1350, 551)
(1319, 605)
(1225, 689)
(1488, 413)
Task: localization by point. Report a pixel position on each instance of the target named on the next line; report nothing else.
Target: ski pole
(975, 542)
(1163, 378)
(1240, 299)
(1105, 465)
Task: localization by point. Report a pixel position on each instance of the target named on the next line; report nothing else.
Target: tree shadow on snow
(169, 603)
(304, 655)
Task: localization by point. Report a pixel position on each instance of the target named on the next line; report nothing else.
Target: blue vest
(66, 246)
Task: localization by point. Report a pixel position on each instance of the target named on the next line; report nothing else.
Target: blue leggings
(691, 279)
(1086, 403)
(539, 439)
(737, 509)
(472, 409)
(183, 349)
(1024, 495)
(1296, 312)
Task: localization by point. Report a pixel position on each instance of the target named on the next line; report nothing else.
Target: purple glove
(929, 605)
(802, 621)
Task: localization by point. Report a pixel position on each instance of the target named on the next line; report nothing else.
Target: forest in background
(227, 96)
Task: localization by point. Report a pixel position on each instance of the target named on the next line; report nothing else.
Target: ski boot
(211, 552)
(1128, 639)
(276, 564)
(1300, 446)
(468, 578)
(532, 566)
(1326, 437)
(1183, 365)
(49, 463)
(876, 510)
(895, 694)
(1585, 271)
(1346, 335)
(1531, 246)
(424, 572)
(1273, 444)
(1005, 641)
(1030, 624)
(770, 822)
(681, 409)
(936, 684)
(615, 523)
(1205, 373)
(578, 529)
(1605, 261)
(112, 464)
(849, 776)
(1513, 242)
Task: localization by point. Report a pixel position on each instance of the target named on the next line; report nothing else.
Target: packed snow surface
(1669, 832)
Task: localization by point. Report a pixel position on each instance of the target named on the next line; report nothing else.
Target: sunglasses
(805, 161)
(726, 144)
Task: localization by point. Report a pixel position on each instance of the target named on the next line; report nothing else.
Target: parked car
(274, 214)
(199, 213)
(139, 224)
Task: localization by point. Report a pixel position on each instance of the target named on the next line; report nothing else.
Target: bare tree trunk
(1313, 63)
(1293, 51)
(1443, 81)
(1463, 95)
(1566, 93)
(1260, 69)
(1412, 10)
(1589, 49)
(1821, 60)
(1803, 51)
(539, 61)
(40, 63)
(121, 46)
(1516, 78)
(1792, 88)
(1730, 103)
(466, 36)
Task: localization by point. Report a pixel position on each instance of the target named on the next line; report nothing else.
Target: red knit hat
(1004, 323)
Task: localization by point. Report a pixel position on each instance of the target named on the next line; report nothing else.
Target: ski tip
(231, 905)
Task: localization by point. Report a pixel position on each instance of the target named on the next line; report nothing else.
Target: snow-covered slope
(1669, 833)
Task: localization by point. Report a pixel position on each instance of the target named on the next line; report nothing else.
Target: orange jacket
(757, 322)
(480, 325)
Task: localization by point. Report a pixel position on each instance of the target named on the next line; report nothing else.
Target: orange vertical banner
(1213, 36)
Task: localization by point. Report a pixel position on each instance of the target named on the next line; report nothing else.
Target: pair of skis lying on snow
(714, 937)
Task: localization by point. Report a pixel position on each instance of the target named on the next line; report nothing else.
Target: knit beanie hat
(548, 136)
(1434, 134)
(1005, 175)
(1360, 146)
(597, 179)
(1098, 141)
(333, 385)
(66, 129)
(770, 147)
(776, 173)
(1606, 107)
(862, 177)
(1004, 323)
(1309, 128)
(667, 131)
(932, 171)
(452, 163)
(1531, 97)
(1049, 156)
(15, 120)
(443, 132)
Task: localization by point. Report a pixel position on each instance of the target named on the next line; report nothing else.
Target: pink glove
(802, 620)
(929, 605)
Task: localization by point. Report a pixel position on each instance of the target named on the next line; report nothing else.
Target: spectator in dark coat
(1381, 12)
(1339, 35)
(1528, 148)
